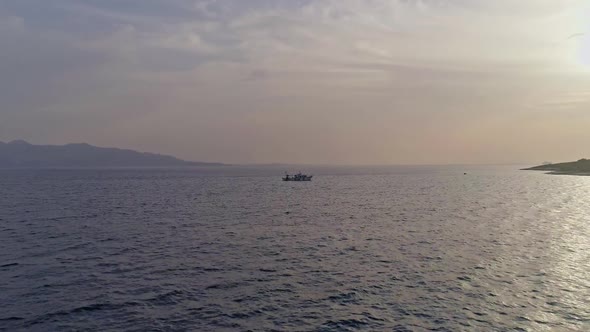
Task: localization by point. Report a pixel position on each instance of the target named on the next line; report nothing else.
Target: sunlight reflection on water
(355, 249)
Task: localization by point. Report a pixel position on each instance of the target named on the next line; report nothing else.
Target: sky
(302, 81)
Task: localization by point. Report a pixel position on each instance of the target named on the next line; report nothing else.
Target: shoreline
(578, 168)
(569, 173)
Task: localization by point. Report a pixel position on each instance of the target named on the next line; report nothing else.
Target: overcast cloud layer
(307, 81)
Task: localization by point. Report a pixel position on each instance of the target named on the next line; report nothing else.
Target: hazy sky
(305, 81)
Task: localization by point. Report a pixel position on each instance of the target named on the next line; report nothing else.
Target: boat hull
(297, 177)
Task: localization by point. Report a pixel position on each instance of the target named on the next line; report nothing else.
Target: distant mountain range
(580, 167)
(21, 154)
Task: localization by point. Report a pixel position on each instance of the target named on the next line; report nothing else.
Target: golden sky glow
(324, 81)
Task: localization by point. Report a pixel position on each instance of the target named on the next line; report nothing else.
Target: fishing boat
(297, 177)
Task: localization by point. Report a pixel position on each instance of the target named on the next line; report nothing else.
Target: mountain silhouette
(21, 154)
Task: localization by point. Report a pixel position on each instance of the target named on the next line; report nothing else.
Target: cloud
(231, 72)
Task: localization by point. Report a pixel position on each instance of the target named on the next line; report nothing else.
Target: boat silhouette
(297, 177)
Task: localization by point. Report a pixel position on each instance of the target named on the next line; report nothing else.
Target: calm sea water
(396, 249)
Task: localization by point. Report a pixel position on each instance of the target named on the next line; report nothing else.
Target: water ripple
(401, 249)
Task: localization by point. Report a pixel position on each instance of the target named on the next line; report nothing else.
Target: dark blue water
(395, 249)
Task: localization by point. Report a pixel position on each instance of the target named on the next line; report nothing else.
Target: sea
(405, 248)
